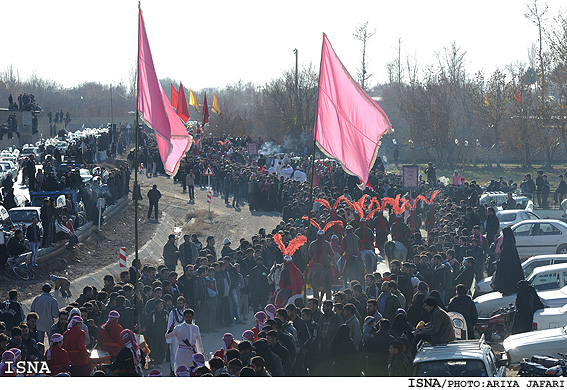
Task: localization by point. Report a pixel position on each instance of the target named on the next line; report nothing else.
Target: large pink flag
(156, 110)
(349, 123)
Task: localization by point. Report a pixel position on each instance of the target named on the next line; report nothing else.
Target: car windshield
(469, 367)
(22, 215)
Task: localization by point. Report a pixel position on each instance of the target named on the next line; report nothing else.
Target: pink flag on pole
(156, 110)
(349, 124)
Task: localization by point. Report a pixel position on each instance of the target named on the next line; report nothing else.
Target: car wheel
(562, 249)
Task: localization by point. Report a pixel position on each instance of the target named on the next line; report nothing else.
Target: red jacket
(74, 344)
(59, 361)
(109, 338)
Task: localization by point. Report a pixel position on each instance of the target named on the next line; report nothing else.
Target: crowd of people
(371, 323)
(61, 172)
(24, 102)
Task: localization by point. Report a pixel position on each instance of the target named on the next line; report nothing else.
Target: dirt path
(226, 221)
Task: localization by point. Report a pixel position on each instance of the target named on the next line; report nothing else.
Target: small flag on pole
(182, 110)
(193, 101)
(174, 97)
(215, 107)
(205, 112)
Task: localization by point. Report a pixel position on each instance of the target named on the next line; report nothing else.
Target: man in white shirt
(175, 318)
(188, 337)
(299, 175)
(287, 171)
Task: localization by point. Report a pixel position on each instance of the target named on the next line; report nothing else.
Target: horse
(394, 250)
(353, 270)
(321, 282)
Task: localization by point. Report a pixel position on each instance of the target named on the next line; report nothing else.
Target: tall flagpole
(311, 190)
(137, 130)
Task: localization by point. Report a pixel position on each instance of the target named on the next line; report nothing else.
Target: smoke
(300, 146)
(270, 148)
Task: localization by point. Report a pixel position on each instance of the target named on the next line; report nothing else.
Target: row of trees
(449, 115)
(520, 110)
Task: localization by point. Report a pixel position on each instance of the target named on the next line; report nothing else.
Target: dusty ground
(226, 221)
(99, 250)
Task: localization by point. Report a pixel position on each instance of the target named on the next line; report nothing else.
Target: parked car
(550, 318)
(546, 278)
(542, 342)
(540, 237)
(22, 216)
(28, 150)
(471, 358)
(9, 167)
(484, 286)
(522, 202)
(510, 217)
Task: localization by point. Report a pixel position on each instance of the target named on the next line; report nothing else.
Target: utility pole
(296, 89)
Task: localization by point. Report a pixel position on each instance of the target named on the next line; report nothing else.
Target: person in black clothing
(11, 312)
(462, 303)
(344, 354)
(492, 225)
(129, 360)
(153, 196)
(279, 349)
(467, 274)
(259, 279)
(377, 350)
(508, 268)
(527, 302)
(158, 327)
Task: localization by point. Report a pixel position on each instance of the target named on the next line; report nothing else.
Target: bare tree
(536, 14)
(363, 34)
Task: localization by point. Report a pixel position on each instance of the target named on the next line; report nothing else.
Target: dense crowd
(360, 321)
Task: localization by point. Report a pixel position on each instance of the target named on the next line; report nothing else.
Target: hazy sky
(215, 43)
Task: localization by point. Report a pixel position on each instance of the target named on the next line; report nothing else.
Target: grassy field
(483, 174)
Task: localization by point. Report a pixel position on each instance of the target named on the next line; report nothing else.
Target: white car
(510, 217)
(27, 151)
(540, 237)
(542, 342)
(500, 197)
(470, 358)
(9, 167)
(528, 266)
(550, 278)
(550, 318)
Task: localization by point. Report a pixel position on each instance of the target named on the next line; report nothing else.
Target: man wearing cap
(188, 338)
(226, 249)
(47, 308)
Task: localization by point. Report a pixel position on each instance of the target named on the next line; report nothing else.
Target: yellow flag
(486, 103)
(215, 107)
(193, 100)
